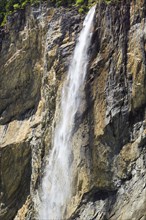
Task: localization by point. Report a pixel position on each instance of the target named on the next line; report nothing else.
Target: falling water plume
(57, 183)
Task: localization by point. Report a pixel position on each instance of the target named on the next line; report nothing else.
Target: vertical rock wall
(109, 137)
(116, 108)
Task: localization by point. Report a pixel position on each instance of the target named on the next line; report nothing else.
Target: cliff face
(109, 139)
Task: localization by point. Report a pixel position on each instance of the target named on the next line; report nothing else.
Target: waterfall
(57, 182)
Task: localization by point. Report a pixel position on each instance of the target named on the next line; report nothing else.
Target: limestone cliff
(109, 140)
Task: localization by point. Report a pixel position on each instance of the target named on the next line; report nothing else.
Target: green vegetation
(82, 5)
(79, 2)
(7, 7)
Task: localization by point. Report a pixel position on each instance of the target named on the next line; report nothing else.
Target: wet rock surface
(109, 140)
(118, 115)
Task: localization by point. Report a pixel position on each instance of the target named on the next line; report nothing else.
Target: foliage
(79, 2)
(23, 4)
(16, 7)
(81, 10)
(9, 6)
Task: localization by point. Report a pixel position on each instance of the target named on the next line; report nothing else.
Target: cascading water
(57, 182)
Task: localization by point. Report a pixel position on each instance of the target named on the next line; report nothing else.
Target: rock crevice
(109, 139)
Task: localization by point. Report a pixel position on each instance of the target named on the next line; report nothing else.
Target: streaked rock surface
(109, 139)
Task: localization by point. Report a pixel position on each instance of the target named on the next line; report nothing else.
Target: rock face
(109, 141)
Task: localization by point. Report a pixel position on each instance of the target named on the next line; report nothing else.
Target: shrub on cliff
(9, 6)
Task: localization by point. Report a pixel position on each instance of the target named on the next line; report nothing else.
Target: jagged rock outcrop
(116, 88)
(109, 138)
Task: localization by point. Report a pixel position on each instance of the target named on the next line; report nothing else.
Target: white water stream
(57, 182)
